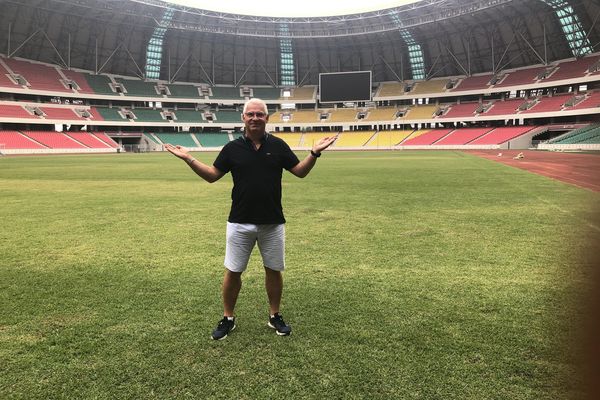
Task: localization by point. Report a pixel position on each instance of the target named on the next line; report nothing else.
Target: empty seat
(54, 140)
(463, 136)
(502, 135)
(16, 140)
(427, 138)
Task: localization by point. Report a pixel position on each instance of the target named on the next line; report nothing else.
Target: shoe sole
(277, 332)
(231, 330)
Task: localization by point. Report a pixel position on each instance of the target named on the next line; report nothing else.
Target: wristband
(315, 155)
(190, 160)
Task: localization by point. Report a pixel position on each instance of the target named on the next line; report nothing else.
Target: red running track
(579, 169)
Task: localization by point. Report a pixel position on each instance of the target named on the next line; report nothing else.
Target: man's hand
(178, 151)
(324, 143)
(208, 173)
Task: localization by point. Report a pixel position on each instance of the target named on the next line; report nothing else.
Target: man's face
(255, 119)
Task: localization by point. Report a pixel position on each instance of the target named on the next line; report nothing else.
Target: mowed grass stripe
(414, 275)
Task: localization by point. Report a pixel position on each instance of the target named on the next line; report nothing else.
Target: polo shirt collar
(262, 139)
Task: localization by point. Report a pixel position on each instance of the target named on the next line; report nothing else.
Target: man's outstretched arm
(303, 167)
(208, 173)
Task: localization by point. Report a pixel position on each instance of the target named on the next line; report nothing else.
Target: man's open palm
(178, 151)
(324, 143)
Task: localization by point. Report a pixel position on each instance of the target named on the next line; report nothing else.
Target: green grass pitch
(410, 275)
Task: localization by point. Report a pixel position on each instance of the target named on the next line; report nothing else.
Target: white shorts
(240, 242)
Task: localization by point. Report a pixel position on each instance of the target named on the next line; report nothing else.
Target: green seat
(266, 93)
(148, 115)
(574, 136)
(229, 93)
(151, 138)
(110, 114)
(212, 139)
(184, 91)
(99, 83)
(228, 116)
(138, 88)
(181, 139)
(189, 116)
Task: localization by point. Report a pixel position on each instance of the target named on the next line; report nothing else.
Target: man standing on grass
(256, 161)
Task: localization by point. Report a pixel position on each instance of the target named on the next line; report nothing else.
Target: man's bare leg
(232, 283)
(274, 286)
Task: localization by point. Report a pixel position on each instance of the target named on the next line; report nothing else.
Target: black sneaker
(225, 326)
(276, 322)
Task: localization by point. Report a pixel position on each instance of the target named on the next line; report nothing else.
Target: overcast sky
(292, 8)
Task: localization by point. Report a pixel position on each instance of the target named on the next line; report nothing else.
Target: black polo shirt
(256, 193)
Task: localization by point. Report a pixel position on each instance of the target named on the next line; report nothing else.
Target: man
(256, 161)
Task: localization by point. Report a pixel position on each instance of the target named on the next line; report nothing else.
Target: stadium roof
(426, 39)
(304, 8)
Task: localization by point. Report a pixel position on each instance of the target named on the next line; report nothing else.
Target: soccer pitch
(410, 275)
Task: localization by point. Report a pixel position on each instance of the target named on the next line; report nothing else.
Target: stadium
(443, 247)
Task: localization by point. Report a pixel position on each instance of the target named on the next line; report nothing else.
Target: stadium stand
(106, 139)
(391, 89)
(526, 76)
(549, 104)
(212, 139)
(430, 86)
(87, 140)
(16, 140)
(292, 139)
(183, 91)
(504, 107)
(302, 116)
(4, 81)
(152, 137)
(53, 140)
(139, 88)
(302, 93)
(146, 115)
(310, 138)
(228, 116)
(189, 116)
(95, 115)
(420, 112)
(99, 83)
(476, 82)
(502, 135)
(109, 114)
(461, 110)
(591, 100)
(277, 117)
(381, 114)
(39, 77)
(181, 139)
(60, 113)
(427, 137)
(13, 111)
(342, 115)
(572, 69)
(266, 93)
(463, 136)
(226, 93)
(588, 133)
(387, 139)
(353, 139)
(80, 81)
(85, 83)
